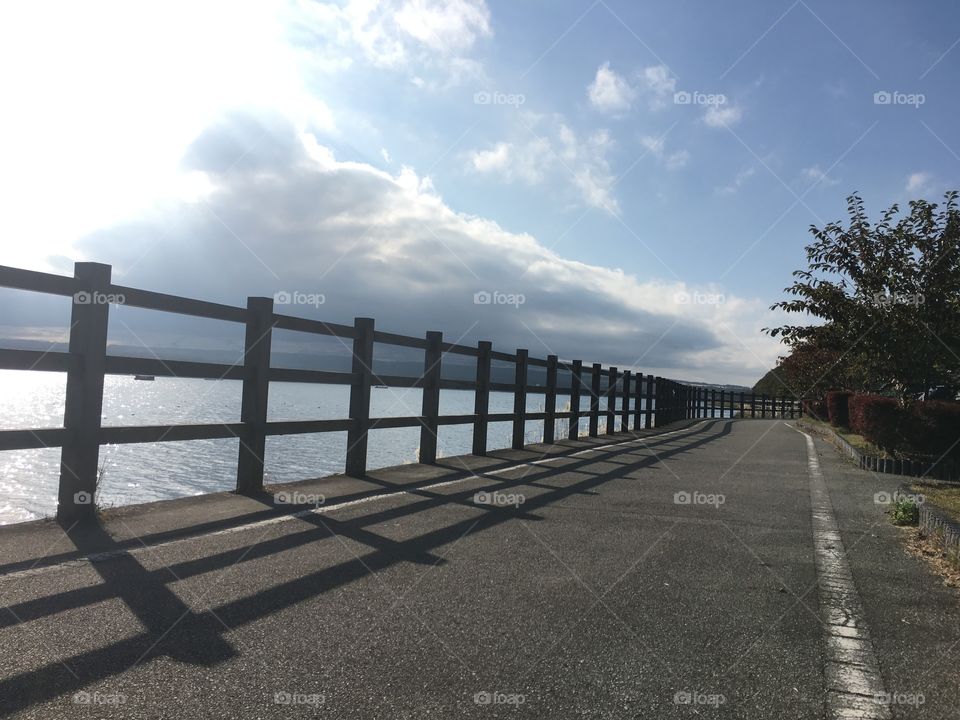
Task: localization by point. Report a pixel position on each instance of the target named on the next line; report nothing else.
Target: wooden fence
(640, 401)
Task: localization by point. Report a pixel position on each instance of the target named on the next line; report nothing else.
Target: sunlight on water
(137, 473)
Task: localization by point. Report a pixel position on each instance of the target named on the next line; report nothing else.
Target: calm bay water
(154, 471)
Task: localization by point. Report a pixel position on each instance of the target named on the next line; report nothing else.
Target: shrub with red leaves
(881, 420)
(935, 427)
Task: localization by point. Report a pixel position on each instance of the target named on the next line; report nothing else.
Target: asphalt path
(659, 575)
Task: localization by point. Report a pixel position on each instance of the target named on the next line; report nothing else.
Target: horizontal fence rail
(595, 392)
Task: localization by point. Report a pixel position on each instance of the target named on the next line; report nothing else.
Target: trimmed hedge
(816, 409)
(838, 411)
(935, 427)
(879, 419)
(929, 428)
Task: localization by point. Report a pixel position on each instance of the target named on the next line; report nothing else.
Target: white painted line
(854, 686)
(110, 554)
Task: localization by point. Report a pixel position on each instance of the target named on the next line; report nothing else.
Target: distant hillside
(770, 384)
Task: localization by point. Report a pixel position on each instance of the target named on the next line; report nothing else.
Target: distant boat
(382, 387)
(144, 377)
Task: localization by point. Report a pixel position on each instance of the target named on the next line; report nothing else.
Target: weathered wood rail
(640, 401)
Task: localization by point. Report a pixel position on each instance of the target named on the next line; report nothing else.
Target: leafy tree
(888, 296)
(808, 371)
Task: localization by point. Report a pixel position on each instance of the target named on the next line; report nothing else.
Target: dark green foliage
(817, 409)
(887, 297)
(905, 511)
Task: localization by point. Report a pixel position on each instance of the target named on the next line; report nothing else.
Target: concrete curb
(875, 463)
(941, 529)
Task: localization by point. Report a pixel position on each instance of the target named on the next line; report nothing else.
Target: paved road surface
(599, 593)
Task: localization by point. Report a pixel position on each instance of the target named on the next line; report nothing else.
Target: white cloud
(497, 158)
(555, 153)
(112, 110)
(722, 115)
(522, 162)
(677, 160)
(610, 92)
(659, 85)
(432, 35)
(815, 174)
(738, 181)
(654, 144)
(388, 246)
(613, 94)
(919, 182)
(657, 147)
(447, 26)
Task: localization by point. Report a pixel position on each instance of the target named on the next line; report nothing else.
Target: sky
(624, 182)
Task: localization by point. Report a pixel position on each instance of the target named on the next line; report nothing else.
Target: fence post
(362, 368)
(722, 395)
(648, 410)
(625, 410)
(659, 416)
(783, 407)
(256, 386)
(637, 399)
(481, 398)
(741, 406)
(576, 383)
(430, 403)
(520, 400)
(595, 400)
(763, 407)
(83, 406)
(611, 396)
(550, 400)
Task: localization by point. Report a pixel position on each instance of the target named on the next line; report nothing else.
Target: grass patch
(905, 511)
(858, 441)
(945, 497)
